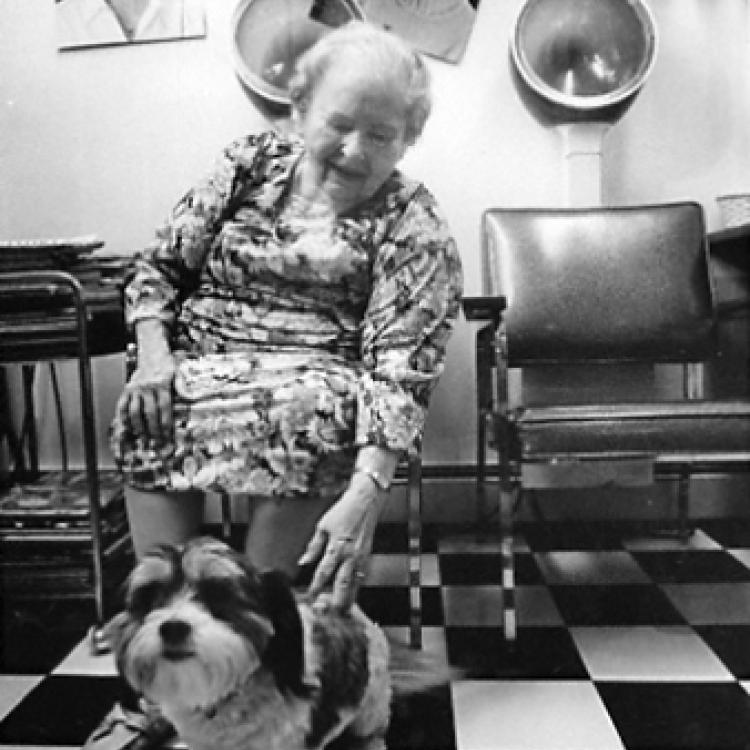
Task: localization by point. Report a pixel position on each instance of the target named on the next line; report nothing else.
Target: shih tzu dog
(236, 663)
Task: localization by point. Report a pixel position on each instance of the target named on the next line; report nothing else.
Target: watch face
(269, 36)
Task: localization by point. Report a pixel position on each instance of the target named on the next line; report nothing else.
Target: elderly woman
(291, 319)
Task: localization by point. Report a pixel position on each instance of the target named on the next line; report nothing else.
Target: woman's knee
(280, 530)
(162, 517)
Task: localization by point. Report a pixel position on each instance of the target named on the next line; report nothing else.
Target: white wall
(104, 141)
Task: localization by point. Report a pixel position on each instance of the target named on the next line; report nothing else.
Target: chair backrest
(617, 284)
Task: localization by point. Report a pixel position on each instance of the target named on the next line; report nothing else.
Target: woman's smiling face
(354, 129)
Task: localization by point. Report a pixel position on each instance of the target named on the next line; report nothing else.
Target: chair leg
(507, 501)
(481, 513)
(226, 516)
(414, 499)
(681, 529)
(99, 642)
(683, 507)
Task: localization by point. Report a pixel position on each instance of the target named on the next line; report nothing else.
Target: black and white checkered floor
(627, 641)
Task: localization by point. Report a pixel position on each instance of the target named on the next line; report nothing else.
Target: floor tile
(520, 543)
(388, 570)
(538, 653)
(648, 654)
(430, 570)
(468, 544)
(390, 538)
(729, 532)
(470, 569)
(28, 645)
(431, 534)
(432, 606)
(422, 721)
(472, 606)
(80, 661)
(574, 536)
(535, 607)
(393, 570)
(615, 605)
(711, 603)
(389, 605)
(693, 716)
(731, 644)
(527, 571)
(697, 540)
(480, 543)
(531, 715)
(692, 566)
(467, 568)
(742, 554)
(577, 567)
(481, 606)
(13, 688)
(60, 710)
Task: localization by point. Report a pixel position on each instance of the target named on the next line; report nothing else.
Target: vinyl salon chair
(413, 464)
(580, 291)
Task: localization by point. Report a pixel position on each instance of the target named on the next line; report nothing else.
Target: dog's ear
(285, 655)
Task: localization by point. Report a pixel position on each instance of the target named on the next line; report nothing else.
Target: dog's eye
(147, 597)
(220, 594)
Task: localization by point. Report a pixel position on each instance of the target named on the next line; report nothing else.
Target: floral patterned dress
(299, 335)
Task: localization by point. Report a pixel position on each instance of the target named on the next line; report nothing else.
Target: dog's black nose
(174, 632)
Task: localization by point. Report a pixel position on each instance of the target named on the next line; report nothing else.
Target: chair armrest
(484, 308)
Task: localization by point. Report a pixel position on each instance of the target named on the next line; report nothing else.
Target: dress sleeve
(169, 268)
(417, 283)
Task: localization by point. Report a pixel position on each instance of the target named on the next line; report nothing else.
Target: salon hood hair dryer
(578, 65)
(269, 35)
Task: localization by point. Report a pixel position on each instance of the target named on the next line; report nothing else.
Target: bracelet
(375, 475)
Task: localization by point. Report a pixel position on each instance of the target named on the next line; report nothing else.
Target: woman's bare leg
(162, 517)
(280, 529)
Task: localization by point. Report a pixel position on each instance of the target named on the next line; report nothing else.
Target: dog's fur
(236, 663)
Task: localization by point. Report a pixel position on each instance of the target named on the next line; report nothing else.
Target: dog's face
(199, 620)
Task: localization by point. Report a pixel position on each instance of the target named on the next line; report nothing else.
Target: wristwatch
(376, 477)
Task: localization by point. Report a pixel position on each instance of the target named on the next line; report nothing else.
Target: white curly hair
(378, 52)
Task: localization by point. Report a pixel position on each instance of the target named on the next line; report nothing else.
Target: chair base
(510, 495)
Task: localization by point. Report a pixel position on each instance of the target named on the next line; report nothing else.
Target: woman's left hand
(343, 540)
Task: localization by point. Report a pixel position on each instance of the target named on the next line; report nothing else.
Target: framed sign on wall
(94, 23)
(439, 28)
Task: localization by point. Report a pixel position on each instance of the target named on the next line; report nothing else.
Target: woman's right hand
(146, 402)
